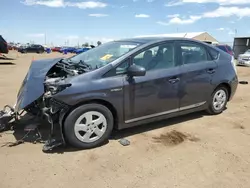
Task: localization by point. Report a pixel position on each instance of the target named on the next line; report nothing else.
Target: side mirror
(135, 70)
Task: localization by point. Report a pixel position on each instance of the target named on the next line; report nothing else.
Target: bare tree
(85, 44)
(99, 43)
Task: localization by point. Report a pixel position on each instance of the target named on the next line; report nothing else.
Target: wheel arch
(95, 101)
(227, 86)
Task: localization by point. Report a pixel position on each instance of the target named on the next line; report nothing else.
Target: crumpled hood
(32, 87)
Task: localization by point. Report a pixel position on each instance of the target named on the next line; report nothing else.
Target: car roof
(144, 40)
(223, 45)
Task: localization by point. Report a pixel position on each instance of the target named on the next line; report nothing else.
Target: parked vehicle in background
(244, 59)
(55, 49)
(33, 48)
(22, 46)
(12, 46)
(78, 51)
(125, 83)
(67, 50)
(3, 46)
(226, 48)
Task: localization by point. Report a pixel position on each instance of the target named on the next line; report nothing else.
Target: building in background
(241, 45)
(201, 36)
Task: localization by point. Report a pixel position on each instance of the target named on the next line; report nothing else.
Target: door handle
(211, 71)
(174, 80)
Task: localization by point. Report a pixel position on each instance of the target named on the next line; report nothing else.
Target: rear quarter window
(214, 54)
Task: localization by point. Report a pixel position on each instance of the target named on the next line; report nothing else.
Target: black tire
(69, 125)
(211, 109)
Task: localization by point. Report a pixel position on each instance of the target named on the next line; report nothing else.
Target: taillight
(233, 64)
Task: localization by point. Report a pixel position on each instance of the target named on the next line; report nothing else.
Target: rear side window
(193, 53)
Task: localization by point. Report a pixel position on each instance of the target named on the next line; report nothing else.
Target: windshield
(105, 53)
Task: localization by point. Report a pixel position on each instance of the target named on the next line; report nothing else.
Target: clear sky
(88, 21)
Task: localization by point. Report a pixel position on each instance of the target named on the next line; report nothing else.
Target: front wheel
(218, 101)
(88, 126)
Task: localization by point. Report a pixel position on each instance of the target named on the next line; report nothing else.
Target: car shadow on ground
(156, 125)
(44, 130)
(6, 63)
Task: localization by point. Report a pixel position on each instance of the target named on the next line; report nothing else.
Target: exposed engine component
(46, 107)
(65, 68)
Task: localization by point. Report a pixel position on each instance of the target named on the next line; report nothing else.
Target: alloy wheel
(90, 126)
(219, 99)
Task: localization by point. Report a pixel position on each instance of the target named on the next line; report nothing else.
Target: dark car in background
(226, 48)
(33, 48)
(3, 46)
(125, 83)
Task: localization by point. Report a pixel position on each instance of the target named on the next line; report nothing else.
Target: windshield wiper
(81, 62)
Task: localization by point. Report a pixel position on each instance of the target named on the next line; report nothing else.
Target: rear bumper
(234, 86)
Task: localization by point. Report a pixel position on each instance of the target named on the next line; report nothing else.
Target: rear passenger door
(197, 71)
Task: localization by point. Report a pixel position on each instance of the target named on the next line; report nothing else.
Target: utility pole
(45, 38)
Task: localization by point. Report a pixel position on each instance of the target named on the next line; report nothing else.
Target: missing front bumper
(9, 119)
(6, 116)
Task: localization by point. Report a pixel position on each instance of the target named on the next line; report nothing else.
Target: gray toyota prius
(121, 84)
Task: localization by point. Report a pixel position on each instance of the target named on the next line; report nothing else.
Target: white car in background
(244, 59)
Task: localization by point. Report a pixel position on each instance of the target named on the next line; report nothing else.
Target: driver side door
(156, 93)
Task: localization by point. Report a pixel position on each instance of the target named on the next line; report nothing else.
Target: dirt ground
(193, 151)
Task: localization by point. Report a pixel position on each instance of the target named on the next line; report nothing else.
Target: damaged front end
(44, 79)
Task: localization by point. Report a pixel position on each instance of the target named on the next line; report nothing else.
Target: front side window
(119, 70)
(105, 53)
(193, 53)
(157, 57)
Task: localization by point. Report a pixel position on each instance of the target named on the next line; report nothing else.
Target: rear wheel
(88, 126)
(218, 101)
